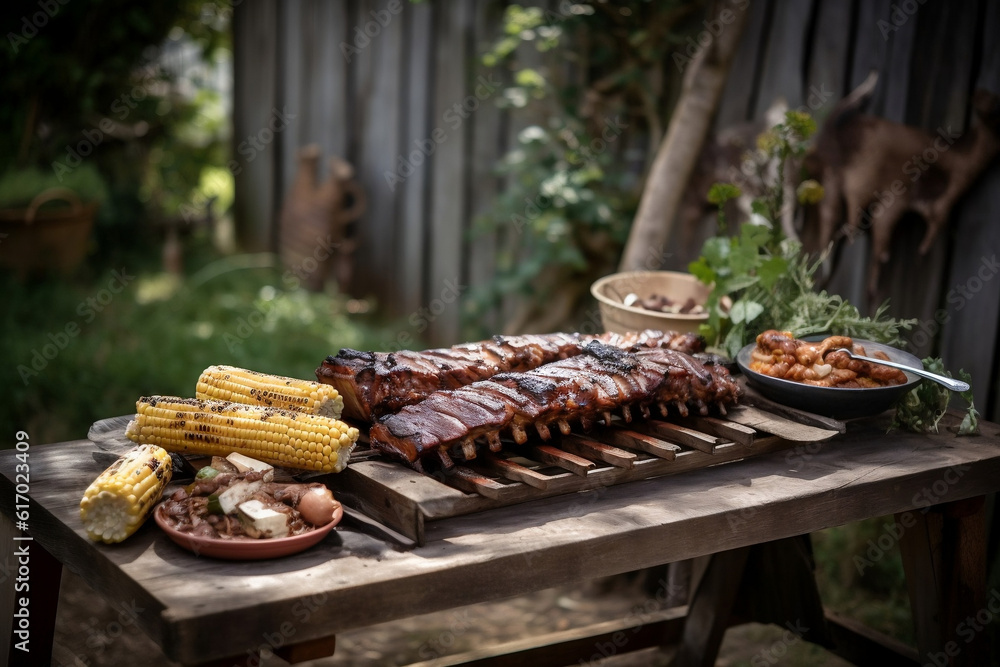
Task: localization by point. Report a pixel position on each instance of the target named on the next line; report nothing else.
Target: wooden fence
(379, 101)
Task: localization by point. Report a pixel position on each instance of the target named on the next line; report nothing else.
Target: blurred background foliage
(593, 85)
(130, 105)
(165, 163)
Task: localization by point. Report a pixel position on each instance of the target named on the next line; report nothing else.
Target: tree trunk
(703, 83)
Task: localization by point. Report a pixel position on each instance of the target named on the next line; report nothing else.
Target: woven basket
(611, 290)
(50, 241)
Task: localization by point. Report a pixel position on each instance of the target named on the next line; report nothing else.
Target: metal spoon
(954, 385)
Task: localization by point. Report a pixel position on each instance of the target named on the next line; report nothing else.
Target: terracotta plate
(245, 548)
(833, 402)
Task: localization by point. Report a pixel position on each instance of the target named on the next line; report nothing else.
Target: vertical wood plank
(830, 53)
(973, 321)
(378, 125)
(254, 93)
(294, 56)
(487, 149)
(328, 99)
(869, 44)
(410, 253)
(321, 68)
(448, 205)
(781, 76)
(735, 103)
(849, 279)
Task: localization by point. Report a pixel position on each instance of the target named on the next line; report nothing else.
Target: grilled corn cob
(217, 428)
(119, 500)
(228, 383)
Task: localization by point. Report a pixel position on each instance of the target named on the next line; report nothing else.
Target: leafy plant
(563, 207)
(923, 406)
(760, 279)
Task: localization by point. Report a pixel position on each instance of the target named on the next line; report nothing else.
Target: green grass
(859, 579)
(156, 335)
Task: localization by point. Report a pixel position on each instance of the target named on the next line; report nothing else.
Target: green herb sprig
(922, 408)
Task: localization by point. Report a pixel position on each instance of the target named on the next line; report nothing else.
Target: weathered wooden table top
(199, 608)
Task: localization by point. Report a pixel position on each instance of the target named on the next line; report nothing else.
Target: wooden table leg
(711, 608)
(26, 564)
(944, 558)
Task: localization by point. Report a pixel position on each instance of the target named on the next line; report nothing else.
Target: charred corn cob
(119, 500)
(217, 428)
(228, 383)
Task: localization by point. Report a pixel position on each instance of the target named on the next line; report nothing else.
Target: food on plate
(664, 304)
(584, 388)
(279, 437)
(242, 505)
(779, 354)
(228, 383)
(374, 384)
(122, 497)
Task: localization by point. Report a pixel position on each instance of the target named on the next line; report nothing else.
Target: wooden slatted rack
(407, 501)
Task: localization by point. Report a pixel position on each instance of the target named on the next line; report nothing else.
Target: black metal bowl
(833, 402)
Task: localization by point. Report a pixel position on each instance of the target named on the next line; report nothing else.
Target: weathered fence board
(970, 310)
(786, 51)
(828, 60)
(738, 94)
(254, 82)
(411, 253)
(448, 167)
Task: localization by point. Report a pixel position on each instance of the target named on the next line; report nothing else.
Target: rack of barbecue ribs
(584, 388)
(374, 384)
(822, 363)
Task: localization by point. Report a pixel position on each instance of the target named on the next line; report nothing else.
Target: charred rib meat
(377, 383)
(586, 388)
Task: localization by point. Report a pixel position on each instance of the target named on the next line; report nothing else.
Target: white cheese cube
(244, 463)
(236, 494)
(259, 520)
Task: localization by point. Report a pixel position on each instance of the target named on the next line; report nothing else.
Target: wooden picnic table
(750, 514)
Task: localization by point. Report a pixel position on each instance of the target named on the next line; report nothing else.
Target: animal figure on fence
(880, 169)
(316, 221)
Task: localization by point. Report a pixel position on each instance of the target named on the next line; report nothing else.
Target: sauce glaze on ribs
(585, 388)
(378, 383)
